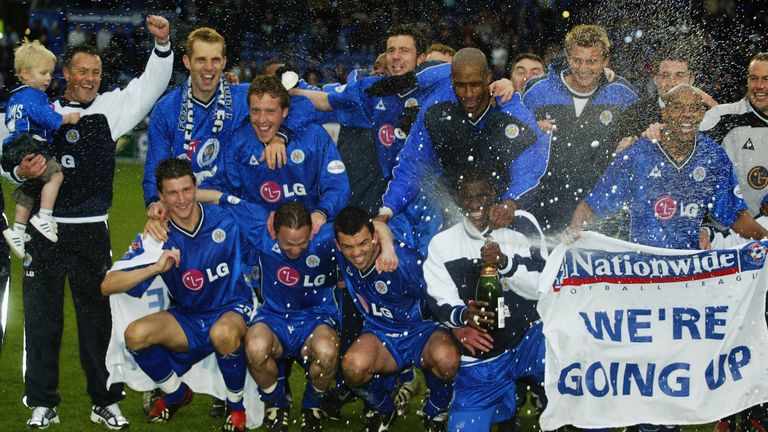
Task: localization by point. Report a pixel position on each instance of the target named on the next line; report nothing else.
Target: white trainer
(16, 240)
(42, 417)
(46, 226)
(110, 416)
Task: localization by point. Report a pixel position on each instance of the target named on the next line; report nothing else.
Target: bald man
(467, 126)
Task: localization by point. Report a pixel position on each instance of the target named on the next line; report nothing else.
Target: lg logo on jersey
(194, 279)
(291, 277)
(68, 161)
(665, 208)
(272, 192)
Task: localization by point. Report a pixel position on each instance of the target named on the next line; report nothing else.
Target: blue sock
(376, 393)
(176, 396)
(312, 396)
(154, 361)
(233, 369)
(440, 394)
(406, 375)
(276, 398)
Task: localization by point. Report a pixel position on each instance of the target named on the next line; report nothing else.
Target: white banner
(637, 334)
(203, 377)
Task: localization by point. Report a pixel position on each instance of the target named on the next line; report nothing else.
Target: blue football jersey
(388, 301)
(29, 110)
(667, 202)
(314, 174)
(208, 277)
(303, 287)
(384, 112)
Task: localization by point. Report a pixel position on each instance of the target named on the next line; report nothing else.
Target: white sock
(20, 227)
(46, 212)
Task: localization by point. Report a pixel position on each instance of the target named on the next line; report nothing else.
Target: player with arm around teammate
(200, 266)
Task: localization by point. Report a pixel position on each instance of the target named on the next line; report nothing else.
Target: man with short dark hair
(200, 265)
(396, 334)
(83, 254)
(525, 66)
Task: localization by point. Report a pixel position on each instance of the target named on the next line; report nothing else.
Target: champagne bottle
(489, 290)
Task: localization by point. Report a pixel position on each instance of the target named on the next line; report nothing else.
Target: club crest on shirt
(606, 117)
(699, 173)
(297, 156)
(208, 152)
(72, 136)
(381, 287)
(411, 102)
(511, 131)
(218, 235)
(312, 261)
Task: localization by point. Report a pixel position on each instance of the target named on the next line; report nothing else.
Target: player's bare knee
(135, 336)
(355, 368)
(226, 339)
(325, 352)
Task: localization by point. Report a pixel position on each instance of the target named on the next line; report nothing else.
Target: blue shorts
(292, 333)
(484, 390)
(197, 328)
(405, 347)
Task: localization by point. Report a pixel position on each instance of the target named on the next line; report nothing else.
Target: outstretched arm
(123, 280)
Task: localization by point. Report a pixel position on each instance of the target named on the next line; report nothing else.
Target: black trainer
(310, 420)
(334, 400)
(218, 408)
(379, 422)
(276, 420)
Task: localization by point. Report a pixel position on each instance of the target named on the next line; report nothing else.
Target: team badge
(511, 131)
(193, 279)
(381, 287)
(756, 252)
(699, 173)
(288, 276)
(208, 152)
(664, 208)
(411, 102)
(72, 136)
(218, 235)
(758, 177)
(27, 260)
(336, 167)
(297, 156)
(312, 261)
(606, 117)
(380, 106)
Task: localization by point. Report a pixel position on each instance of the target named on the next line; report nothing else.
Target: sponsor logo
(664, 208)
(386, 135)
(312, 261)
(655, 172)
(758, 177)
(297, 156)
(755, 252)
(699, 173)
(72, 136)
(336, 167)
(400, 134)
(218, 235)
(270, 191)
(511, 131)
(193, 279)
(381, 287)
(288, 275)
(606, 117)
(192, 148)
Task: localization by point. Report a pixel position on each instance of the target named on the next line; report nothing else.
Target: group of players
(248, 194)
